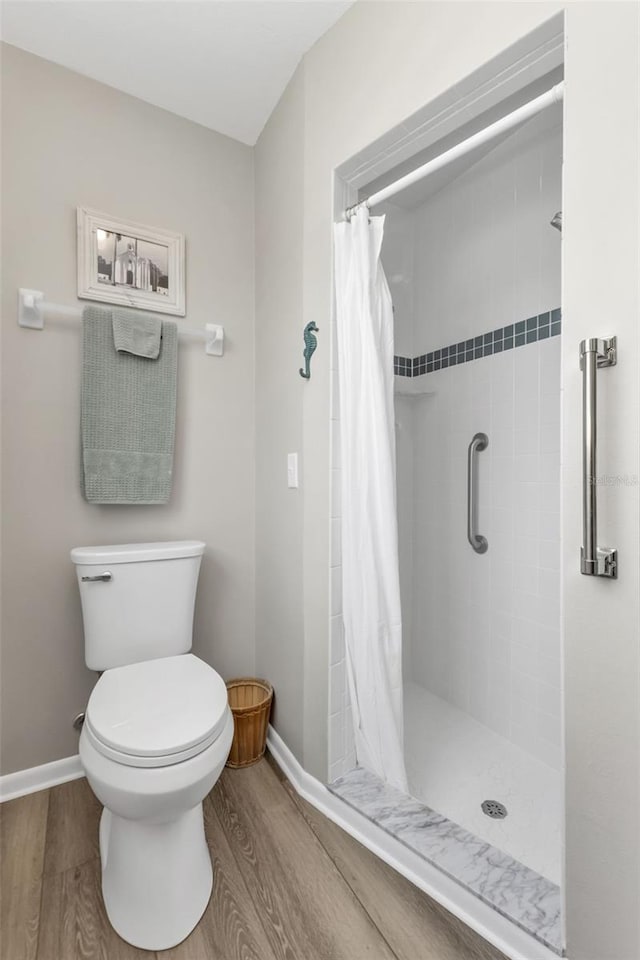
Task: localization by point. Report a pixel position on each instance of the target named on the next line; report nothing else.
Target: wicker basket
(250, 701)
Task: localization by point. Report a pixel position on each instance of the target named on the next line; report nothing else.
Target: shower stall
(478, 323)
(474, 269)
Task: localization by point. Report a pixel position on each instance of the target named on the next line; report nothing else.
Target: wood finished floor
(288, 885)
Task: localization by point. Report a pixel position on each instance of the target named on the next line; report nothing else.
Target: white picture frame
(120, 261)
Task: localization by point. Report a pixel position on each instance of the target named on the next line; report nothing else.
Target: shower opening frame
(512, 78)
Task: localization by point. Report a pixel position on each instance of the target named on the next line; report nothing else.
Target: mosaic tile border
(509, 887)
(518, 334)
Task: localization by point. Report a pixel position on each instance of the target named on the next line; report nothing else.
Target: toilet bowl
(155, 739)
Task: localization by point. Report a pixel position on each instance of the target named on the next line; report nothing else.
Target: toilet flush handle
(104, 577)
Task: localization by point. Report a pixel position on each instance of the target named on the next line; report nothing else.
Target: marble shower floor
(454, 763)
(511, 888)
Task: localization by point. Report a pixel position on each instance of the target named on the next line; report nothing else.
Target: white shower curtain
(370, 576)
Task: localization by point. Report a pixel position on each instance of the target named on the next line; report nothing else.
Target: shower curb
(517, 892)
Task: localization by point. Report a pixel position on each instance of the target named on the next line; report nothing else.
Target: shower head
(556, 221)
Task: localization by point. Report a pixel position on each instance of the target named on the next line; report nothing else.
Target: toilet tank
(137, 600)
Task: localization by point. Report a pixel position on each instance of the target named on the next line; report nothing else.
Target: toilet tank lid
(138, 552)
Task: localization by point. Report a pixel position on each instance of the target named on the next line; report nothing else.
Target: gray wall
(279, 398)
(601, 297)
(70, 141)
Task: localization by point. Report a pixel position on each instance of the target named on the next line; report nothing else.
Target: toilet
(156, 735)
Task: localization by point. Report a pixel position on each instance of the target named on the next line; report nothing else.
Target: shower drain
(494, 809)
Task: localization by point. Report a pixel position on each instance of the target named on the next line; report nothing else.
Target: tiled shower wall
(481, 631)
(399, 253)
(485, 629)
(486, 632)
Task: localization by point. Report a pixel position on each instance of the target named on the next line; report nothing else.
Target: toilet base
(156, 877)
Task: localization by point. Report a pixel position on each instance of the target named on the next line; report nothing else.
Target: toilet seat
(158, 712)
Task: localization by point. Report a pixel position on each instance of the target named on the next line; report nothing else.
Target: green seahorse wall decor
(310, 344)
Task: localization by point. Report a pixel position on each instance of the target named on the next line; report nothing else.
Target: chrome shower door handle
(478, 542)
(595, 561)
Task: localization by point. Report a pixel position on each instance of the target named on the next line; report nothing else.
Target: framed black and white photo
(129, 263)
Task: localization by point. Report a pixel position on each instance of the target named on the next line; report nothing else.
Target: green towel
(137, 333)
(128, 413)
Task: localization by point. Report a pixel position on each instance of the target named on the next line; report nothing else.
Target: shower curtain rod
(33, 309)
(527, 110)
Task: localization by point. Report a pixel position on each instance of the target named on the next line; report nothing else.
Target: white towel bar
(32, 309)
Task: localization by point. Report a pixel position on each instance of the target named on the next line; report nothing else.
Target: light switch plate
(292, 470)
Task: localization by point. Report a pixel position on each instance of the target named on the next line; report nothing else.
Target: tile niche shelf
(411, 389)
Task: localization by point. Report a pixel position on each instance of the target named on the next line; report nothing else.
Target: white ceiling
(223, 64)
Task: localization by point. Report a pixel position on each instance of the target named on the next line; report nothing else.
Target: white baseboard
(22, 782)
(499, 931)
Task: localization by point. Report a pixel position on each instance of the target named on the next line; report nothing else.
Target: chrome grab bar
(105, 577)
(595, 561)
(479, 543)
